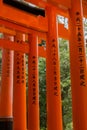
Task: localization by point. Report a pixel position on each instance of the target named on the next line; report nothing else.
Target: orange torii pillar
(33, 90)
(54, 108)
(0, 75)
(6, 95)
(19, 89)
(78, 66)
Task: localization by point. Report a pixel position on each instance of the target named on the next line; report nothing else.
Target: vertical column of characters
(33, 90)
(54, 108)
(6, 115)
(78, 66)
(19, 93)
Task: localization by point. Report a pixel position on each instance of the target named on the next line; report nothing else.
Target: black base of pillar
(6, 123)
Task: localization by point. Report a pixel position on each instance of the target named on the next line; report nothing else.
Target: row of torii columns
(13, 82)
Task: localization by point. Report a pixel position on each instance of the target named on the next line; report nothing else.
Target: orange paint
(40, 3)
(6, 83)
(19, 93)
(42, 51)
(7, 31)
(61, 3)
(54, 108)
(23, 18)
(42, 27)
(84, 4)
(6, 95)
(24, 48)
(33, 90)
(63, 32)
(78, 66)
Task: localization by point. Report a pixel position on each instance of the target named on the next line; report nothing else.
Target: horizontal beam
(43, 4)
(7, 31)
(40, 3)
(8, 24)
(24, 47)
(38, 23)
(25, 7)
(62, 3)
(62, 32)
(26, 20)
(6, 44)
(11, 32)
(26, 23)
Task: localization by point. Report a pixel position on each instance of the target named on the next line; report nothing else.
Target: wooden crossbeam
(7, 31)
(21, 5)
(22, 18)
(6, 44)
(43, 3)
(38, 23)
(23, 29)
(24, 47)
(62, 32)
(63, 4)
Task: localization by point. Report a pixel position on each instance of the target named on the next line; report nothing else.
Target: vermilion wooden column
(33, 90)
(19, 93)
(54, 111)
(78, 66)
(0, 78)
(6, 115)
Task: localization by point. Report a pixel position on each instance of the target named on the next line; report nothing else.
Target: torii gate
(40, 24)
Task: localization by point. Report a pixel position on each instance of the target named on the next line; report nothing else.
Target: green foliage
(65, 84)
(69, 126)
(42, 86)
